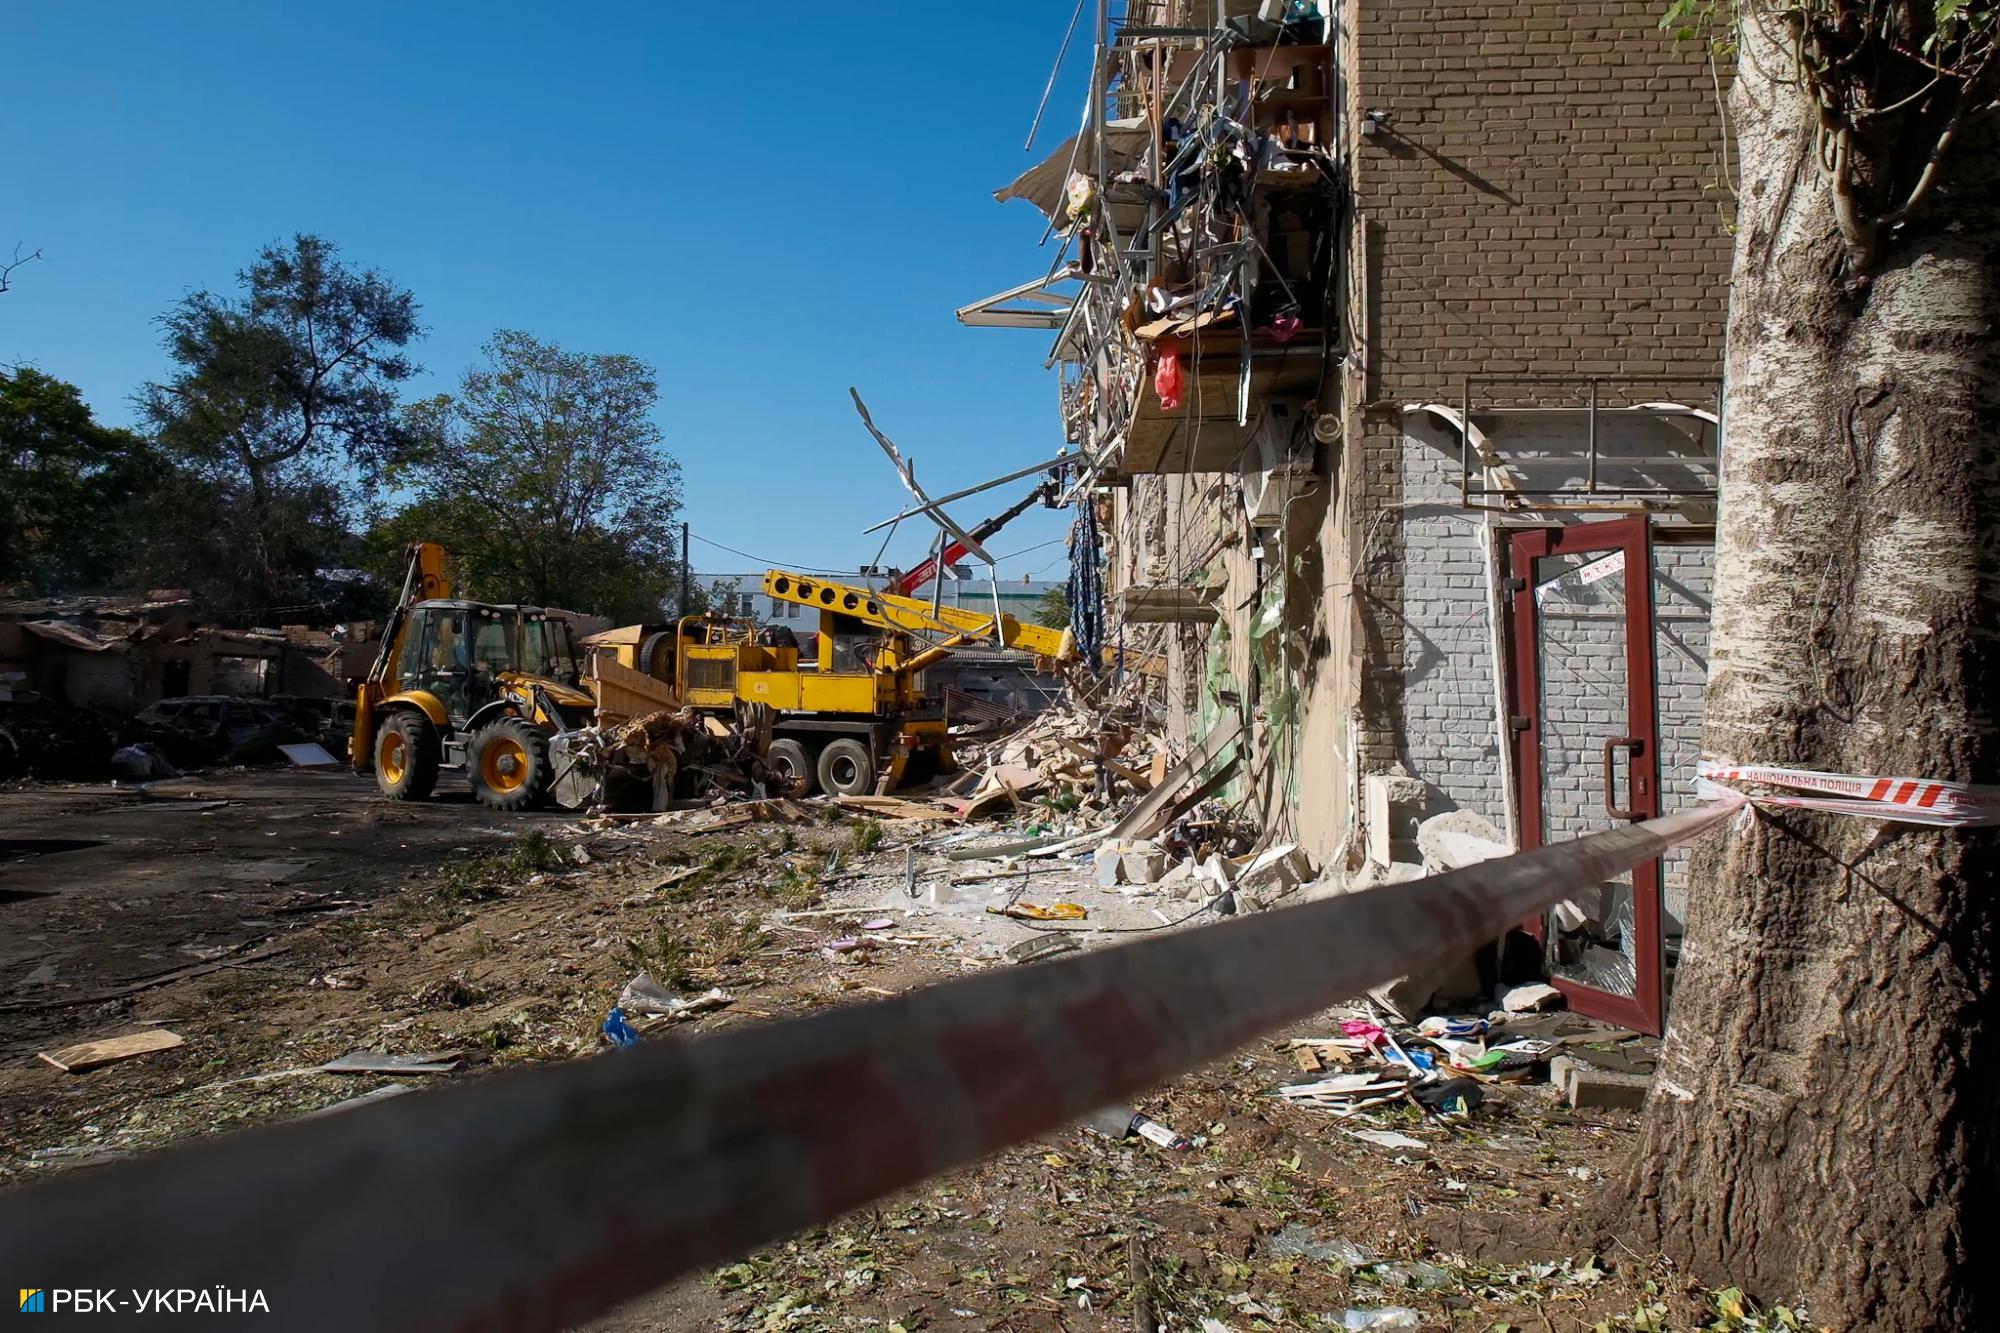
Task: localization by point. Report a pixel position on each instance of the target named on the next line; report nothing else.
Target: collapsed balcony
(1201, 209)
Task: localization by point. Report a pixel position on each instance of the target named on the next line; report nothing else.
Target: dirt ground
(277, 919)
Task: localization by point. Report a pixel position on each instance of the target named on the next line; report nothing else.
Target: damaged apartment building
(1389, 339)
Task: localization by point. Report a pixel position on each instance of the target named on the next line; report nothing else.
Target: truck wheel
(845, 768)
(789, 762)
(508, 763)
(406, 757)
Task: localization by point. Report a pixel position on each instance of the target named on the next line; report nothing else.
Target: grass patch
(867, 835)
(795, 889)
(676, 955)
(479, 879)
(665, 954)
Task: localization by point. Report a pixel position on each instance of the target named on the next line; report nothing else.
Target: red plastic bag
(1167, 377)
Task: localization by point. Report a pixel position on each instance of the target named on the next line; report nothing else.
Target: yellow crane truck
(503, 693)
(844, 718)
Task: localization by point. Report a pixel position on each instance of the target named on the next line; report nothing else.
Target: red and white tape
(539, 1198)
(1910, 800)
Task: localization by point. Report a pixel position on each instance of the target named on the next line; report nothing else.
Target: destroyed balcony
(1167, 604)
(1226, 381)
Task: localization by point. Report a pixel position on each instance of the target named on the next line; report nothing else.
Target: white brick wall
(1450, 737)
(1682, 578)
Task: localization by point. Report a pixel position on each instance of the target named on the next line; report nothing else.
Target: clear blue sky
(767, 203)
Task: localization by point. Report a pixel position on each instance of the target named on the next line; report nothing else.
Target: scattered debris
(379, 1062)
(1062, 911)
(1294, 1239)
(141, 762)
(645, 997)
(308, 754)
(1120, 1122)
(1584, 1085)
(1531, 999)
(91, 1054)
(617, 1031)
(1037, 947)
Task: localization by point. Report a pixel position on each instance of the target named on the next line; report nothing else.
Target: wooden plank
(893, 806)
(91, 1054)
(1132, 775)
(1159, 805)
(623, 692)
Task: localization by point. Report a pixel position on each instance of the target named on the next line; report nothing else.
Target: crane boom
(932, 566)
(891, 611)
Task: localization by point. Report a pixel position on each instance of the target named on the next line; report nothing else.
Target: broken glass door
(1586, 750)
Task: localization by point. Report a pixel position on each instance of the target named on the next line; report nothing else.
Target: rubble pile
(1445, 1066)
(1071, 758)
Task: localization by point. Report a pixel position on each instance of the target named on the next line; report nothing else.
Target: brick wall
(1449, 735)
(1547, 199)
(1683, 575)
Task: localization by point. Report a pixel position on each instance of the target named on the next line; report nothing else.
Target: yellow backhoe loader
(466, 685)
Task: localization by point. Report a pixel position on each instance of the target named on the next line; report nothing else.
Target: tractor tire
(508, 762)
(406, 757)
(845, 768)
(789, 763)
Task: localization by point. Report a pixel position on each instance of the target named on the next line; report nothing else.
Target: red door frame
(1646, 1010)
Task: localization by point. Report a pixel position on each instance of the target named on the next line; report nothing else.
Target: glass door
(1586, 750)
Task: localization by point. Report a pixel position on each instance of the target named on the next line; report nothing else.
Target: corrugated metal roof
(71, 636)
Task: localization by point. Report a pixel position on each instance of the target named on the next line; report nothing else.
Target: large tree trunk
(1824, 1121)
(264, 522)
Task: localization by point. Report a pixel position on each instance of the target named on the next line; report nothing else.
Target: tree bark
(1823, 1125)
(260, 539)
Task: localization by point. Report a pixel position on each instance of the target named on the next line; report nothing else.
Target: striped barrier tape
(538, 1198)
(1911, 800)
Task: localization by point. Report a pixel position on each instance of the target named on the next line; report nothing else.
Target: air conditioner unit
(1277, 465)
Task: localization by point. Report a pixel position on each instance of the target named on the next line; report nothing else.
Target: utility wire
(763, 560)
(1061, 52)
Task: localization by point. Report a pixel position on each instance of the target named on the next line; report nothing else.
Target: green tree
(71, 489)
(547, 479)
(285, 398)
(1822, 1122)
(1053, 609)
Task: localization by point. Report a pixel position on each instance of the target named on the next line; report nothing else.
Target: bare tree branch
(7, 269)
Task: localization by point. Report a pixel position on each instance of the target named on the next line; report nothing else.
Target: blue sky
(767, 204)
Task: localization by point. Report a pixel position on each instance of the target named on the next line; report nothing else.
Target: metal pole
(1050, 87)
(1593, 435)
(687, 570)
(1097, 91)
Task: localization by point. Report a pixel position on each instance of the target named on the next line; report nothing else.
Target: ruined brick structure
(1313, 501)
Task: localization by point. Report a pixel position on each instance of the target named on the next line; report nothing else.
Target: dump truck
(501, 692)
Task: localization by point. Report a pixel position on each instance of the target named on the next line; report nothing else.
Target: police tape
(538, 1198)
(1910, 800)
